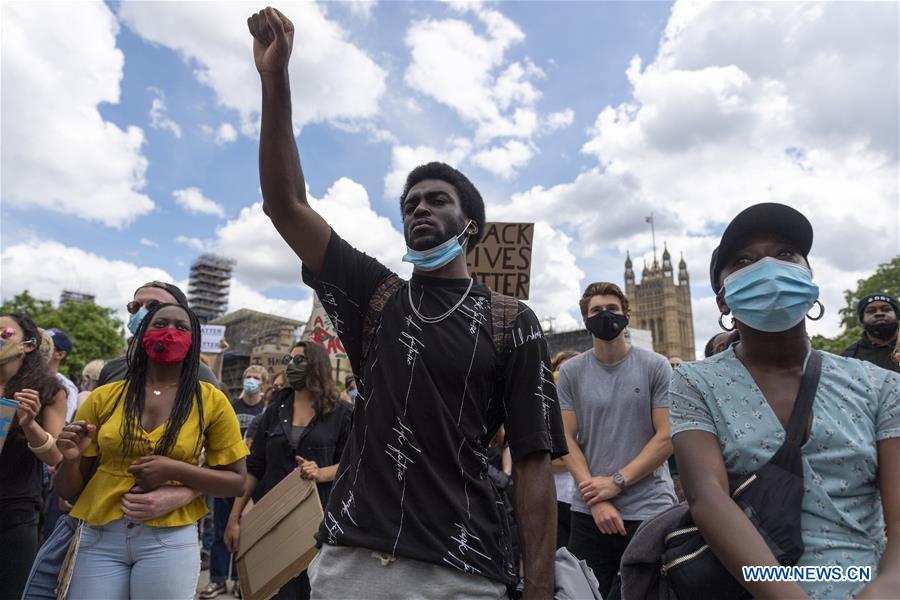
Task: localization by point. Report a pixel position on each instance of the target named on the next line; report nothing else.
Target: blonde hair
(258, 370)
(46, 347)
(93, 368)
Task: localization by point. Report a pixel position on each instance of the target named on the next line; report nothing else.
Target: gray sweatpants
(340, 572)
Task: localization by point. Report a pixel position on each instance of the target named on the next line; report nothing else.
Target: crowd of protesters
(455, 408)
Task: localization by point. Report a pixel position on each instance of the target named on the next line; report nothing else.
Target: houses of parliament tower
(662, 305)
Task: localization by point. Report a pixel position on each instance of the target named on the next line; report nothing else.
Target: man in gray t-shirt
(615, 407)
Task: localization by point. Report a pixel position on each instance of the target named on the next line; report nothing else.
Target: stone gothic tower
(662, 305)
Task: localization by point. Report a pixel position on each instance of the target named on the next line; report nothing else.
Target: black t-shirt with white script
(413, 477)
(246, 413)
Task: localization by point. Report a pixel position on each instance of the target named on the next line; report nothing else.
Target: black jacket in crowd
(272, 457)
(864, 349)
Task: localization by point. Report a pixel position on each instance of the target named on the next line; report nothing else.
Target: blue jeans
(41, 583)
(208, 534)
(219, 555)
(123, 559)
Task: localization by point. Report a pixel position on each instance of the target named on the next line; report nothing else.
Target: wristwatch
(619, 480)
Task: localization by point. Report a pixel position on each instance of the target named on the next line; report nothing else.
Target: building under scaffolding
(254, 338)
(209, 286)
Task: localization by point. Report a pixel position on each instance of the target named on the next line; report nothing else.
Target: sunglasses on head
(288, 359)
(135, 306)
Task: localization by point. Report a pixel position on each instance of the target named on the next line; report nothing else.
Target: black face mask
(606, 325)
(296, 376)
(882, 331)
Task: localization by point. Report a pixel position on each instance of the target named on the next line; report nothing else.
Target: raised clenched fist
(273, 38)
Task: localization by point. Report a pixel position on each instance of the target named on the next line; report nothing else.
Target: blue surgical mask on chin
(134, 322)
(771, 295)
(435, 258)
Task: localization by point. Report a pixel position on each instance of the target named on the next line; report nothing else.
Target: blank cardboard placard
(277, 537)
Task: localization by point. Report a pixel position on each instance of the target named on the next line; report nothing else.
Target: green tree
(94, 330)
(886, 279)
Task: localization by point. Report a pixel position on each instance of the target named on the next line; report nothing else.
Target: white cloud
(713, 125)
(58, 152)
(332, 78)
(555, 277)
(148, 243)
(226, 134)
(504, 160)
(193, 201)
(362, 9)
(406, 158)
(467, 68)
(457, 67)
(113, 282)
(194, 243)
(26, 267)
(559, 120)
(264, 260)
(158, 118)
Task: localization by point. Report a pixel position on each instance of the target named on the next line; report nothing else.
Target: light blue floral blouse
(857, 404)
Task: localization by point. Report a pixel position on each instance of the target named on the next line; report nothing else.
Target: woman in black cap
(730, 413)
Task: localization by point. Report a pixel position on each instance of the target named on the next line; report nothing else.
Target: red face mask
(167, 345)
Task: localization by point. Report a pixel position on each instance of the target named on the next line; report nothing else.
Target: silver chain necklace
(432, 320)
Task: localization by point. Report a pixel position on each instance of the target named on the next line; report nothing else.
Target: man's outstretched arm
(536, 513)
(280, 174)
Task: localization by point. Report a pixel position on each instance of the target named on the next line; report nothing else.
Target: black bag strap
(796, 429)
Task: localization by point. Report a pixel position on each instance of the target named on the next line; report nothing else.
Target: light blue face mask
(134, 322)
(251, 385)
(771, 295)
(435, 258)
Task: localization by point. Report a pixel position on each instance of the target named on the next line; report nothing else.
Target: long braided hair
(133, 391)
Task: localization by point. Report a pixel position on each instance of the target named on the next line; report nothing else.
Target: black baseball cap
(767, 217)
(61, 340)
(173, 289)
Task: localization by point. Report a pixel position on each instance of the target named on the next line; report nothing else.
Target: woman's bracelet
(51, 441)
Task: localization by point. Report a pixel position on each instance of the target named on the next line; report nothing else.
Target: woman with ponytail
(40, 415)
(137, 435)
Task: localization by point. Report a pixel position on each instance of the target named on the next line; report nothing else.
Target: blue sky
(580, 116)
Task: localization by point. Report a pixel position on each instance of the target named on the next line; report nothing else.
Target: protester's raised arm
(280, 174)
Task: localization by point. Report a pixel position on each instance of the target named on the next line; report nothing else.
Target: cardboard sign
(210, 336)
(276, 539)
(7, 414)
(320, 329)
(502, 260)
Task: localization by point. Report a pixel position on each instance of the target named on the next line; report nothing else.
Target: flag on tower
(648, 219)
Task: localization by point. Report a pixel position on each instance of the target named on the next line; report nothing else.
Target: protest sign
(277, 537)
(320, 329)
(210, 336)
(502, 260)
(7, 413)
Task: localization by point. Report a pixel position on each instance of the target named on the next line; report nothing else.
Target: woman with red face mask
(139, 434)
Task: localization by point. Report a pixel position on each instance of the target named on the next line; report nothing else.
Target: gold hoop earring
(821, 312)
(722, 325)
